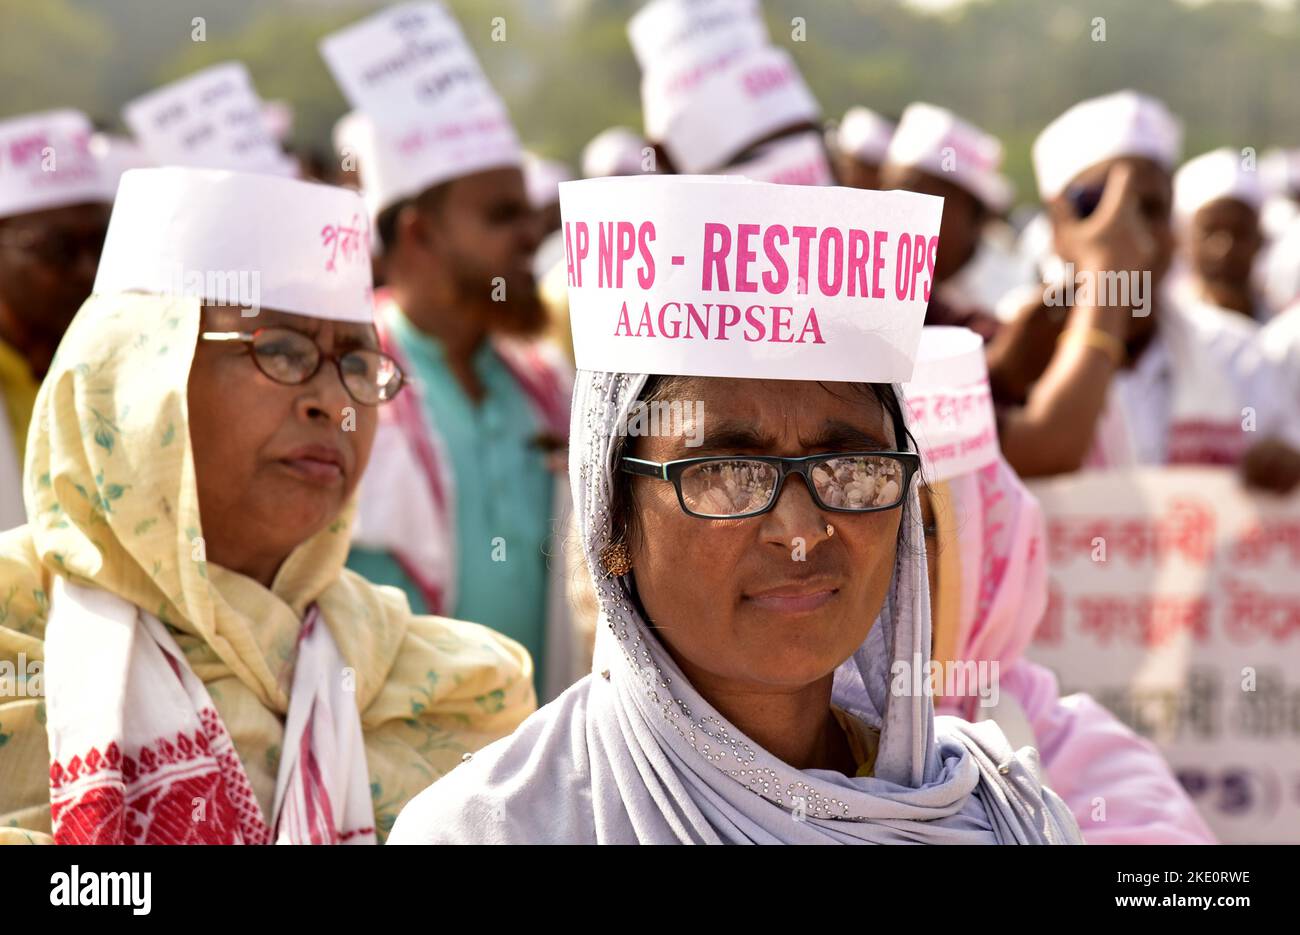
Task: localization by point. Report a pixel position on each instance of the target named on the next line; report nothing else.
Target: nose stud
(830, 530)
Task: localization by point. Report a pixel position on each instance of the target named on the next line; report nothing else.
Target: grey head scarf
(634, 754)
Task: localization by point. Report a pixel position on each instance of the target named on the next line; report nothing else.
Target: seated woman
(751, 678)
(986, 545)
(211, 673)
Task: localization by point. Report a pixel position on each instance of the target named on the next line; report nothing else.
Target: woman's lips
(318, 464)
(793, 600)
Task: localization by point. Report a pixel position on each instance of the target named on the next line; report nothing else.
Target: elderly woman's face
(774, 600)
(275, 464)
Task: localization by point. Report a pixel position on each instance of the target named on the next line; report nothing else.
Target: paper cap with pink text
(797, 159)
(235, 238)
(950, 405)
(724, 277)
(429, 113)
(939, 142)
(212, 119)
(712, 85)
(46, 162)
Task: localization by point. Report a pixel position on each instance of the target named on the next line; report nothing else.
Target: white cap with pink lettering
(232, 238)
(798, 159)
(719, 276)
(46, 162)
(939, 142)
(711, 84)
(1125, 123)
(426, 112)
(950, 404)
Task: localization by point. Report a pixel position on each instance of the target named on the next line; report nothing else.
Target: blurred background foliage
(1229, 68)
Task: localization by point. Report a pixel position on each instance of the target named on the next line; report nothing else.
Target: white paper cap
(1214, 175)
(705, 276)
(939, 142)
(750, 97)
(401, 162)
(616, 151)
(240, 238)
(430, 114)
(950, 404)
(46, 162)
(1125, 123)
(864, 135)
(212, 119)
(678, 33)
(542, 178)
(798, 159)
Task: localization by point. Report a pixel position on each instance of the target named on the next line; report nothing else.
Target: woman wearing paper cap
(1109, 369)
(756, 675)
(211, 673)
(985, 545)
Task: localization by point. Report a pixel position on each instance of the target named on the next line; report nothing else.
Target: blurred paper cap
(46, 162)
(1125, 123)
(939, 142)
(950, 404)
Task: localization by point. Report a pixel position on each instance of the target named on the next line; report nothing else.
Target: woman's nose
(795, 516)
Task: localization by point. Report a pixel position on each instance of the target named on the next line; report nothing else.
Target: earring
(830, 530)
(617, 560)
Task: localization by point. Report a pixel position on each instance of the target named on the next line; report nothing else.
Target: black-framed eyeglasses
(734, 487)
(290, 357)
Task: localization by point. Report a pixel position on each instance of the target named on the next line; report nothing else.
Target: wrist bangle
(1103, 341)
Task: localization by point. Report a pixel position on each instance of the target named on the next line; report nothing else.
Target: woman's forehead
(776, 404)
(233, 316)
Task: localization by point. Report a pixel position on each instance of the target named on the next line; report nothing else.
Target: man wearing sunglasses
(53, 217)
(1110, 369)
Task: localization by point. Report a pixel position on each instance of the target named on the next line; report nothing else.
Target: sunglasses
(730, 487)
(290, 357)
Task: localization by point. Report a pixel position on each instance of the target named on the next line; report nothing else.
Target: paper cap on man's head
(949, 403)
(212, 119)
(724, 277)
(750, 97)
(1125, 123)
(939, 142)
(1221, 173)
(616, 151)
(46, 163)
(430, 114)
(232, 238)
(864, 135)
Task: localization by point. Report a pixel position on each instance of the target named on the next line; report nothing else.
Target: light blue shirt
(503, 494)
